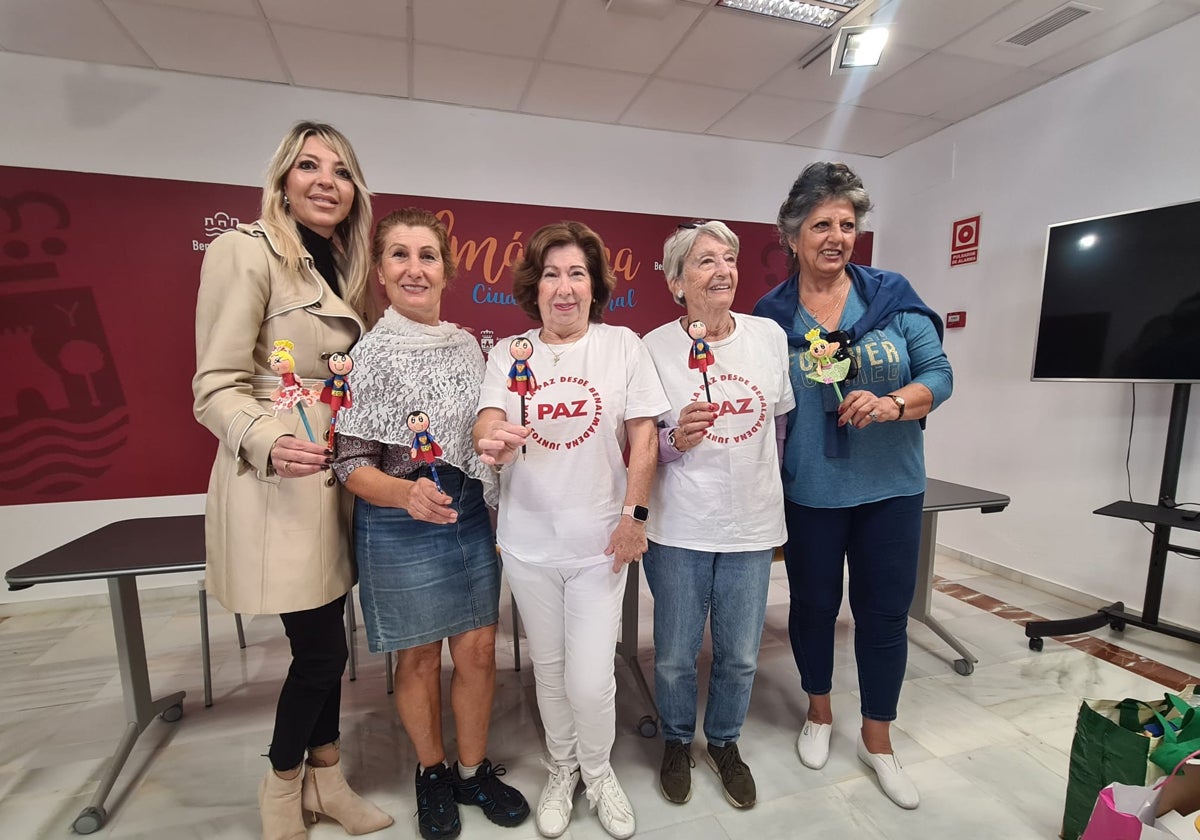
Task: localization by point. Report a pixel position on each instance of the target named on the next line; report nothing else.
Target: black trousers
(310, 702)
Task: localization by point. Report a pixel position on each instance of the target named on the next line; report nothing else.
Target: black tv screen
(1121, 298)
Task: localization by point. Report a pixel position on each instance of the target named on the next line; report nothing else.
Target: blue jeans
(880, 541)
(688, 585)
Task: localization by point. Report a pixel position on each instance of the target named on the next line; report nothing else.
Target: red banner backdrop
(98, 278)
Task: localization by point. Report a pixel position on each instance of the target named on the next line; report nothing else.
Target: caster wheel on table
(172, 713)
(964, 667)
(647, 727)
(90, 819)
(1036, 644)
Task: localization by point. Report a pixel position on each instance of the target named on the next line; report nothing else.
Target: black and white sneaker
(501, 803)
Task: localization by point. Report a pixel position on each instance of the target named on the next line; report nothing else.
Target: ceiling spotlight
(856, 47)
(824, 14)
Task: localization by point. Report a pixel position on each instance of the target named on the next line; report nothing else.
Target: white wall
(84, 117)
(1117, 135)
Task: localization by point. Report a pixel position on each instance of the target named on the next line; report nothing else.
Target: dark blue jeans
(880, 542)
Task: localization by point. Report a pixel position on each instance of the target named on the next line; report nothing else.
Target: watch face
(641, 513)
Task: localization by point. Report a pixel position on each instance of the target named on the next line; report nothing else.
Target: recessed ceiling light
(857, 47)
(818, 14)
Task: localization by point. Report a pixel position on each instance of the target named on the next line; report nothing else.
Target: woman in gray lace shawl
(426, 555)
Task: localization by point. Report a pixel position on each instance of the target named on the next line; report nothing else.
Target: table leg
(924, 592)
(140, 707)
(627, 648)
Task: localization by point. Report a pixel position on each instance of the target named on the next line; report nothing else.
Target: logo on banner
(214, 226)
(565, 412)
(964, 242)
(741, 408)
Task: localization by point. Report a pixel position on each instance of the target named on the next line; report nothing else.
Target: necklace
(565, 347)
(819, 320)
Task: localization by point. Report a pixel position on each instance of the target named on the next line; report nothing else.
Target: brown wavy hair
(527, 273)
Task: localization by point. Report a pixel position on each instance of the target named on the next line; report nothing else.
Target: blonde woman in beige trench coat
(276, 520)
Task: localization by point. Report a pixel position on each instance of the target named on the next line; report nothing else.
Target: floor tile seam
(1136, 663)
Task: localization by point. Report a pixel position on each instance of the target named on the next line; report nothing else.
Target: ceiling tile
(932, 83)
(76, 29)
(468, 78)
(514, 27)
(1130, 31)
(341, 61)
(238, 8)
(679, 106)
(739, 50)
(199, 42)
(590, 35)
(987, 95)
(929, 24)
(386, 18)
(986, 41)
(861, 131)
(770, 118)
(580, 93)
(814, 81)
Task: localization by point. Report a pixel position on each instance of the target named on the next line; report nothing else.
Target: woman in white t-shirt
(572, 516)
(717, 504)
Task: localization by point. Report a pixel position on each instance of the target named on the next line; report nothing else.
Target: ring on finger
(287, 467)
(874, 415)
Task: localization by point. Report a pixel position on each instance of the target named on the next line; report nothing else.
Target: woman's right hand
(694, 422)
(295, 458)
(428, 504)
(500, 442)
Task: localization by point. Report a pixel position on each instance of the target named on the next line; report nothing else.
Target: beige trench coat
(273, 545)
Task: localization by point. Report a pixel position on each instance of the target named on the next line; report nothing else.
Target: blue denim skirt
(420, 582)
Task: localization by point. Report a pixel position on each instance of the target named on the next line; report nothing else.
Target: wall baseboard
(1050, 587)
(149, 595)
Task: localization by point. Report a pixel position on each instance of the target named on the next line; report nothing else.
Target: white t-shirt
(726, 493)
(561, 499)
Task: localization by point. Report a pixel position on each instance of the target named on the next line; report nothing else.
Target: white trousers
(572, 617)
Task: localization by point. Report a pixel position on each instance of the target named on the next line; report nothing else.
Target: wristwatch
(640, 513)
(899, 401)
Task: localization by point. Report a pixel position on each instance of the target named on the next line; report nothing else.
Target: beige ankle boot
(279, 806)
(325, 792)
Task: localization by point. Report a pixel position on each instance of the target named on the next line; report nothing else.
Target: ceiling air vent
(1052, 22)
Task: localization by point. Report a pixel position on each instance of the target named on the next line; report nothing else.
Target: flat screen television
(1121, 298)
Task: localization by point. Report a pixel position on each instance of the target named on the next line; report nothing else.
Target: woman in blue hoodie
(854, 464)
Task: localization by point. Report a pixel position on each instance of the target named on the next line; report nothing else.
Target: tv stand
(1164, 517)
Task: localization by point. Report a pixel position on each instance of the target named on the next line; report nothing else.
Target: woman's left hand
(627, 543)
(862, 408)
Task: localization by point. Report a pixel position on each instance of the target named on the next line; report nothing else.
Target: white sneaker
(891, 775)
(557, 800)
(813, 744)
(611, 806)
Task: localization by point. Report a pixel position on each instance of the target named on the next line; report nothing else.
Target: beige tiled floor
(988, 751)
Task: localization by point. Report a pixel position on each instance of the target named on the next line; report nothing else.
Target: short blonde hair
(352, 237)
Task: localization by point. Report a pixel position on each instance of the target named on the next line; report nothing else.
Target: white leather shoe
(813, 744)
(891, 775)
(557, 800)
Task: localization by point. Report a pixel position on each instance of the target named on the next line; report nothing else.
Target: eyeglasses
(690, 225)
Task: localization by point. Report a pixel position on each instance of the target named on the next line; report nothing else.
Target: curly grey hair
(818, 183)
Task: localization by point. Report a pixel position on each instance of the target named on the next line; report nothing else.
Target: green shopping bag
(1181, 736)
(1111, 745)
